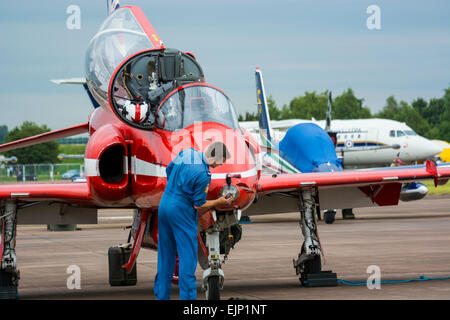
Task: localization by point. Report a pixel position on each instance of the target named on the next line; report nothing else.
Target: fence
(40, 172)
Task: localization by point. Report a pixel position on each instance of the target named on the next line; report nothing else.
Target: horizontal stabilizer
(69, 81)
(46, 137)
(81, 81)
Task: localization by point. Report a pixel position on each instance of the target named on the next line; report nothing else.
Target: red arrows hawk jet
(152, 102)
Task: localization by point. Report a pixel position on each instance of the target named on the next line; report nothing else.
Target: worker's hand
(224, 201)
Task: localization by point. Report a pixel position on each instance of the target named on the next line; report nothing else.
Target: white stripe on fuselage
(144, 168)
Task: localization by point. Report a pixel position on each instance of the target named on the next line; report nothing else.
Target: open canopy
(124, 32)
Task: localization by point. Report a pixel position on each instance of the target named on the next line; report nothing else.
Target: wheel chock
(321, 279)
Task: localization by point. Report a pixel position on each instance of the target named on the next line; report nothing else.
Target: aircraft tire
(212, 292)
(312, 266)
(8, 285)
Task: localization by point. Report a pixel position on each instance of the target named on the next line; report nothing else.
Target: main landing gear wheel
(9, 283)
(9, 274)
(213, 288)
(309, 264)
(310, 267)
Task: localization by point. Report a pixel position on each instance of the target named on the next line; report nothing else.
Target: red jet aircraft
(152, 102)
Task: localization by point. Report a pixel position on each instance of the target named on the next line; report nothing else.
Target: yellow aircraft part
(445, 154)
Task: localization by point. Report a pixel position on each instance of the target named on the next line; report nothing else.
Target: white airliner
(12, 159)
(365, 142)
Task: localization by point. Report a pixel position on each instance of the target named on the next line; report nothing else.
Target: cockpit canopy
(120, 35)
(195, 103)
(129, 70)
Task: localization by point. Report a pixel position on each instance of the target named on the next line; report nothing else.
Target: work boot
(328, 216)
(347, 214)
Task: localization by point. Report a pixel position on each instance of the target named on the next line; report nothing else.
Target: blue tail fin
(265, 129)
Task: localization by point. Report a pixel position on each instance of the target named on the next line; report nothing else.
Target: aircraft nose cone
(436, 149)
(432, 149)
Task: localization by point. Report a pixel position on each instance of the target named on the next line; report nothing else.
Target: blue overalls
(188, 177)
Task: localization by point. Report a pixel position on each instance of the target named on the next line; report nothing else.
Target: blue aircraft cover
(307, 146)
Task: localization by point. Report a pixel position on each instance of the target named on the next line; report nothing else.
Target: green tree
(311, 105)
(403, 112)
(248, 117)
(433, 112)
(420, 105)
(444, 127)
(348, 106)
(40, 153)
(274, 112)
(314, 105)
(390, 110)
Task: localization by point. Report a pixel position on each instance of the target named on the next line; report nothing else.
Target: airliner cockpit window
(198, 103)
(410, 133)
(400, 133)
(392, 133)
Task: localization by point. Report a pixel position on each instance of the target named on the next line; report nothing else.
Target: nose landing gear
(9, 275)
(213, 276)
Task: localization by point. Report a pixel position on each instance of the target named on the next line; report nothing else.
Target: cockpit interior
(143, 82)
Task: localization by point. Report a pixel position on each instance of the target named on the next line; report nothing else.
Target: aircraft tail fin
(328, 115)
(265, 129)
(112, 5)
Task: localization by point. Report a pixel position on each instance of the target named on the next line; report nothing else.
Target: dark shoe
(328, 216)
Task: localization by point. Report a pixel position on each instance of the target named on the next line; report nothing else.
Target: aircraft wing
(344, 189)
(45, 137)
(51, 202)
(54, 191)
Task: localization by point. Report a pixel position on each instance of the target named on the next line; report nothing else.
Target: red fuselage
(126, 165)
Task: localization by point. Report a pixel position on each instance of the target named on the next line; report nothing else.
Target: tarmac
(405, 242)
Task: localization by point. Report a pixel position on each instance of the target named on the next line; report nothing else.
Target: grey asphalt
(405, 242)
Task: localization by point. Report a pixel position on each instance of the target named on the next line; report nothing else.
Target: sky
(300, 46)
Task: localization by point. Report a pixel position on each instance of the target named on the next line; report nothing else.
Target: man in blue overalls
(188, 179)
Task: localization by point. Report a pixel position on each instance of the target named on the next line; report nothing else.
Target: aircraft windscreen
(410, 133)
(199, 103)
(120, 36)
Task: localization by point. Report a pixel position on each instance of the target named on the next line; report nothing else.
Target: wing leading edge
(45, 137)
(54, 191)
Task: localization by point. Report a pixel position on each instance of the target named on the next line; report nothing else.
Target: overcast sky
(300, 46)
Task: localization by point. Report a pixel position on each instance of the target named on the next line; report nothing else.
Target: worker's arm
(201, 191)
(209, 204)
